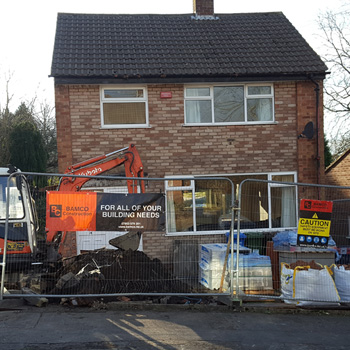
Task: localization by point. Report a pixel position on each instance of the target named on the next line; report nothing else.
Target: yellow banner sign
(314, 223)
(314, 226)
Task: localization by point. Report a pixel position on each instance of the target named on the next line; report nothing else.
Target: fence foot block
(230, 301)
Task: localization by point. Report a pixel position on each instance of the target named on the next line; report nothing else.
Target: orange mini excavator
(22, 242)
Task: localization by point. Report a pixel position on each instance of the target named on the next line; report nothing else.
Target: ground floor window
(197, 205)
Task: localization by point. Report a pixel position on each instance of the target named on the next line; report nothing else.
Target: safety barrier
(196, 238)
(171, 238)
(299, 235)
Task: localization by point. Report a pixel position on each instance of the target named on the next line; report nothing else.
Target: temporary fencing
(300, 240)
(166, 263)
(197, 238)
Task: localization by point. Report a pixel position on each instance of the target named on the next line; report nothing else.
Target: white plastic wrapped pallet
(211, 263)
(254, 271)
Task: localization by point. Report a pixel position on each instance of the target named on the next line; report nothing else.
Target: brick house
(338, 174)
(200, 94)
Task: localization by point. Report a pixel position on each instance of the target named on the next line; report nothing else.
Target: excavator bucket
(130, 240)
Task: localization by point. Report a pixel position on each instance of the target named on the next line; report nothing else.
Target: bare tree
(6, 120)
(40, 114)
(46, 123)
(335, 27)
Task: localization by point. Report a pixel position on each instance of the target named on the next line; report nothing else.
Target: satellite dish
(308, 132)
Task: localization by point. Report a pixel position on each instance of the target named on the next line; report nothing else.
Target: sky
(27, 32)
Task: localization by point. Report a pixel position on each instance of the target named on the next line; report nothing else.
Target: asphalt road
(55, 327)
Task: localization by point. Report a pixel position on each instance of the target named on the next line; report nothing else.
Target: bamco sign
(90, 211)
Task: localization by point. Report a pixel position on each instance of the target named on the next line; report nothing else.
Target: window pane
(283, 212)
(179, 211)
(16, 207)
(283, 203)
(283, 178)
(127, 93)
(124, 113)
(254, 205)
(229, 104)
(179, 183)
(259, 109)
(259, 90)
(197, 92)
(198, 112)
(213, 202)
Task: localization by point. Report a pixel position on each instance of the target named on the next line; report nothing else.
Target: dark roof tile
(98, 45)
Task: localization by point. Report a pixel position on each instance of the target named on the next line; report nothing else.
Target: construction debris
(94, 278)
(115, 271)
(37, 301)
(130, 240)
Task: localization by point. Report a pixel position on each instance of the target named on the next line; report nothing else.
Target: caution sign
(314, 223)
(91, 211)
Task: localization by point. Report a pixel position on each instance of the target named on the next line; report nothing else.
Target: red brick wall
(307, 149)
(168, 147)
(64, 127)
(203, 7)
(69, 246)
(339, 173)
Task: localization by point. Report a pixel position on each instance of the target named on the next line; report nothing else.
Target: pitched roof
(180, 46)
(338, 161)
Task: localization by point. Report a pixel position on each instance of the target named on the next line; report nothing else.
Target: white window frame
(104, 100)
(192, 187)
(246, 97)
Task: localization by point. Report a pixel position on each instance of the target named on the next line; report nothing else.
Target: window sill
(222, 232)
(125, 127)
(198, 233)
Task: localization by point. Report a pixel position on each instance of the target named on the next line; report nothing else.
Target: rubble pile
(305, 265)
(115, 271)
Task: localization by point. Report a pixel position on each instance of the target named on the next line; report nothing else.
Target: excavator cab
(22, 218)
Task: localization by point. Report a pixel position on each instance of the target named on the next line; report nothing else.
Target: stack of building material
(254, 271)
(211, 263)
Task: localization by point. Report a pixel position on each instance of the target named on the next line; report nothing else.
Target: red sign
(166, 94)
(317, 206)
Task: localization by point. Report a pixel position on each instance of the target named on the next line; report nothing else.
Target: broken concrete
(115, 271)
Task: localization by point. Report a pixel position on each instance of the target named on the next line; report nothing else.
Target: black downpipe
(318, 156)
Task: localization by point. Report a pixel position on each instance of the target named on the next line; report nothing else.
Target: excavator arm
(127, 156)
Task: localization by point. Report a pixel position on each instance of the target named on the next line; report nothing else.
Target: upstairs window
(236, 104)
(124, 107)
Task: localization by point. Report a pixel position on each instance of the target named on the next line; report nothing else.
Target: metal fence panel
(195, 256)
(281, 267)
(175, 262)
